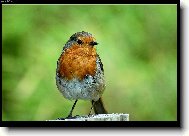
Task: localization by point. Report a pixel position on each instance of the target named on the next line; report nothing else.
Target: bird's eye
(79, 41)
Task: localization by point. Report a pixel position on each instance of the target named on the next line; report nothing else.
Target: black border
(179, 74)
(159, 124)
(91, 123)
(89, 2)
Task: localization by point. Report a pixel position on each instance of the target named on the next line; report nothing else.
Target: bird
(80, 72)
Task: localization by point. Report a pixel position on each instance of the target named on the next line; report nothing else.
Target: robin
(80, 73)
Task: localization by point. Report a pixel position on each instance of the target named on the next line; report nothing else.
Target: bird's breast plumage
(77, 62)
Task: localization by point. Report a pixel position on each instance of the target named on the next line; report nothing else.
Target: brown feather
(78, 61)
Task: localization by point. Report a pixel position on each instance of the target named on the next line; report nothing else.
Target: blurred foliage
(138, 47)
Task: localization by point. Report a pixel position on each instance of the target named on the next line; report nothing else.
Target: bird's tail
(99, 107)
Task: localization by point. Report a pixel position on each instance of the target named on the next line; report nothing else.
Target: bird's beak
(93, 43)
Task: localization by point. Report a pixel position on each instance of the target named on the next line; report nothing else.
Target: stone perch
(98, 117)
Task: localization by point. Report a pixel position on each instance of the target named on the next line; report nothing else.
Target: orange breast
(78, 61)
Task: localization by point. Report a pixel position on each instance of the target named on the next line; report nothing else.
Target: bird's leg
(93, 102)
(70, 114)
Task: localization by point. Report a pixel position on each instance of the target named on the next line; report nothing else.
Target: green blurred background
(137, 45)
